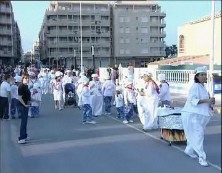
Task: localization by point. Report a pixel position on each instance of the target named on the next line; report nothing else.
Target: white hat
(94, 75)
(85, 80)
(68, 71)
(61, 73)
(129, 82)
(161, 77)
(18, 79)
(200, 70)
(118, 88)
(57, 74)
(31, 73)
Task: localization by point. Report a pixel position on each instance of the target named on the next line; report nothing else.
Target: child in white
(36, 100)
(14, 95)
(87, 109)
(119, 103)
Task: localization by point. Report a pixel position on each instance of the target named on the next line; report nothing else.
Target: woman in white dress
(57, 90)
(151, 92)
(96, 96)
(196, 114)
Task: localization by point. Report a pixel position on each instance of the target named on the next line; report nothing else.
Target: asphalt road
(61, 144)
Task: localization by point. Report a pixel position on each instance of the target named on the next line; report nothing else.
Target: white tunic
(195, 117)
(96, 97)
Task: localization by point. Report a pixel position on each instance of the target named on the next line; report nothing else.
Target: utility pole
(93, 57)
(211, 66)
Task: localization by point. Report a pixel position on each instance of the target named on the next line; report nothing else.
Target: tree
(171, 51)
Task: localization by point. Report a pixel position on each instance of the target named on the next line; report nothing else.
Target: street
(60, 143)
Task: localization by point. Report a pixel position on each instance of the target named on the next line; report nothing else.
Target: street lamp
(80, 18)
(57, 63)
(211, 67)
(93, 58)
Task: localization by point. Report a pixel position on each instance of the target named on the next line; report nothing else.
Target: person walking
(164, 94)
(24, 97)
(87, 109)
(196, 114)
(151, 91)
(5, 93)
(96, 96)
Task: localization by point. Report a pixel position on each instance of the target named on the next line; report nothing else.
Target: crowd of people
(22, 88)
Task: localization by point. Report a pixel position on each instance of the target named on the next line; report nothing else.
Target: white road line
(154, 137)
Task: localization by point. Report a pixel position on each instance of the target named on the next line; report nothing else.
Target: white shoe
(130, 121)
(21, 141)
(192, 155)
(203, 162)
(91, 122)
(125, 122)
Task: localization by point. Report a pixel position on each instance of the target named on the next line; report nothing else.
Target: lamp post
(93, 58)
(57, 63)
(80, 18)
(75, 58)
(211, 67)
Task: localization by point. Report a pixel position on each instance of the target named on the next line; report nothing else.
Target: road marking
(163, 141)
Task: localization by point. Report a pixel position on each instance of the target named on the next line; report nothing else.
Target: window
(127, 51)
(121, 40)
(144, 50)
(144, 19)
(181, 43)
(121, 30)
(127, 30)
(121, 19)
(127, 40)
(121, 51)
(144, 40)
(144, 30)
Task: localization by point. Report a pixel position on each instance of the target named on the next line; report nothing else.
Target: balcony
(5, 32)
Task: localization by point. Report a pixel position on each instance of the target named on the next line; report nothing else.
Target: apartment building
(138, 32)
(36, 51)
(112, 32)
(195, 38)
(10, 39)
(60, 35)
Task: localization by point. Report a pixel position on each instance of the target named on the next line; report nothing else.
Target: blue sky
(29, 16)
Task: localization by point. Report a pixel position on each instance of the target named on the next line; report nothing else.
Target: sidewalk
(179, 100)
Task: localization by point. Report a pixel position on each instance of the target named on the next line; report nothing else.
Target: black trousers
(4, 108)
(24, 121)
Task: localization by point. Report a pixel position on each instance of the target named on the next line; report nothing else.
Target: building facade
(138, 32)
(112, 32)
(10, 39)
(195, 38)
(60, 35)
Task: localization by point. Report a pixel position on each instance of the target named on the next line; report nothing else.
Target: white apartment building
(195, 38)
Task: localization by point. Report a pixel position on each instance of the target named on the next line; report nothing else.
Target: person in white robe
(96, 96)
(108, 90)
(79, 87)
(196, 114)
(45, 82)
(164, 94)
(57, 90)
(151, 93)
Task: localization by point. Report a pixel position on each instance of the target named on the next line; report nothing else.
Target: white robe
(96, 97)
(195, 117)
(151, 108)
